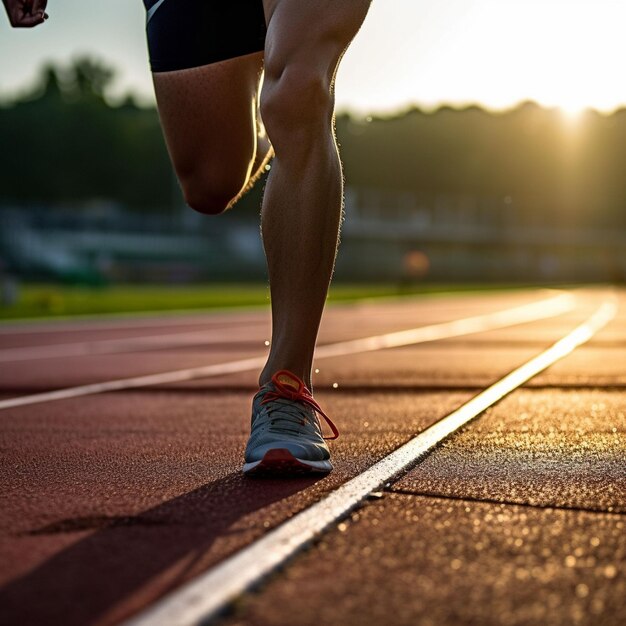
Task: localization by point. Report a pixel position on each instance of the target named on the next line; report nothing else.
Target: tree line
(62, 143)
(554, 169)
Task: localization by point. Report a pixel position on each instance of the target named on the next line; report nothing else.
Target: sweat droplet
(267, 343)
(317, 371)
(335, 385)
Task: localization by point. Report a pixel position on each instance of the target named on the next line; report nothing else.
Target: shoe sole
(280, 462)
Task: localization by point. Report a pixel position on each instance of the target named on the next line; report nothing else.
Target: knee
(207, 201)
(296, 99)
(209, 194)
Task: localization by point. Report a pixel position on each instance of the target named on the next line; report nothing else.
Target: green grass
(41, 301)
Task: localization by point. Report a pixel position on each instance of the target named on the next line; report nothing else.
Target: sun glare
(573, 111)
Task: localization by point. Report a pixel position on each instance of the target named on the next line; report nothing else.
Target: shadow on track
(101, 578)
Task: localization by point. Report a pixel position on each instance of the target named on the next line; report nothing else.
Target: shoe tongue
(284, 379)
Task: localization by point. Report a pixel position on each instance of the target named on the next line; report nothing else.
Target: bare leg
(303, 198)
(209, 117)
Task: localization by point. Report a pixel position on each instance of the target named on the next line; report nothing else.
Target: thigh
(206, 57)
(208, 114)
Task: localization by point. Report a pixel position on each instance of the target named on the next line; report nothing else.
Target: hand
(26, 13)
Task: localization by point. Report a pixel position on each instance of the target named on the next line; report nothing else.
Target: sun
(572, 101)
(572, 111)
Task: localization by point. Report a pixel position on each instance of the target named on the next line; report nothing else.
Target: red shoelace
(299, 394)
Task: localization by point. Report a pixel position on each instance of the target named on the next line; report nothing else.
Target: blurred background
(483, 145)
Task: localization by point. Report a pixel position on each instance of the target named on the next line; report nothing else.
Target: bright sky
(567, 53)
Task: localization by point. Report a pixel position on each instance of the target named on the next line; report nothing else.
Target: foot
(286, 435)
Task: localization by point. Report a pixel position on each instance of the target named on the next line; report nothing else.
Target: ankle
(269, 370)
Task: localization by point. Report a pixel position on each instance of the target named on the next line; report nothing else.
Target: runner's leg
(209, 118)
(303, 198)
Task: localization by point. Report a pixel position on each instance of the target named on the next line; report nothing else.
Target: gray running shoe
(286, 435)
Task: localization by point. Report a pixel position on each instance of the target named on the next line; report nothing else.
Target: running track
(119, 505)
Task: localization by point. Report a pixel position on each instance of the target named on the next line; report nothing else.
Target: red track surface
(112, 500)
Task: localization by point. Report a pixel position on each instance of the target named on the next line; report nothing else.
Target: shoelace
(301, 394)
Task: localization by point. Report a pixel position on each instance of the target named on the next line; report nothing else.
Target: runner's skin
(210, 120)
(208, 115)
(26, 13)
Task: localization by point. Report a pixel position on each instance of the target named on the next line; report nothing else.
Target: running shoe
(286, 435)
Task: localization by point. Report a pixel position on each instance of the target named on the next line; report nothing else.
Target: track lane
(211, 593)
(115, 499)
(517, 520)
(406, 560)
(373, 317)
(529, 312)
(166, 422)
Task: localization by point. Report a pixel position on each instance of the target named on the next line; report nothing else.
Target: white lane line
(210, 593)
(114, 346)
(467, 326)
(480, 323)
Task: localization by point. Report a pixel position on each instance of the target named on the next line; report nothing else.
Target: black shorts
(191, 33)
